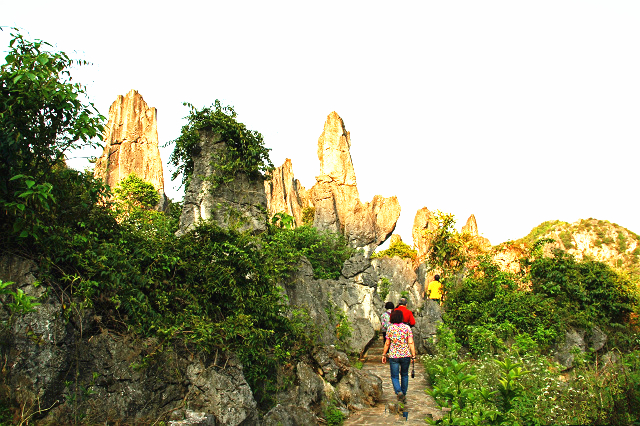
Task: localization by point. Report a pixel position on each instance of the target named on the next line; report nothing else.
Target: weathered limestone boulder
(286, 194)
(329, 300)
(423, 223)
(327, 377)
(507, 256)
(335, 194)
(131, 145)
(403, 280)
(577, 340)
(55, 356)
(240, 204)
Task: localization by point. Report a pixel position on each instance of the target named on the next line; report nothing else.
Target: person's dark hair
(402, 301)
(437, 277)
(389, 305)
(396, 317)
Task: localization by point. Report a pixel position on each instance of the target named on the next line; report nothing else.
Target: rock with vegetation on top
(71, 367)
(131, 145)
(240, 204)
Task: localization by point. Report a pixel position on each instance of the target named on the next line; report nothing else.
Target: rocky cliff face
(64, 367)
(335, 195)
(240, 204)
(131, 144)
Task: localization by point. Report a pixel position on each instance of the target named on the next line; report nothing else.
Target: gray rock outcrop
(131, 145)
(239, 204)
(577, 341)
(330, 301)
(326, 378)
(57, 356)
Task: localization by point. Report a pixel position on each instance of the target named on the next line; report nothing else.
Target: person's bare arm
(387, 343)
(412, 347)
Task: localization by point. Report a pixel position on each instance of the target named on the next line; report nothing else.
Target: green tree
(43, 114)
(136, 192)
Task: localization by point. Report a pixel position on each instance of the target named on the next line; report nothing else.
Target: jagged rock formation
(357, 295)
(423, 223)
(241, 203)
(131, 145)
(335, 195)
(286, 194)
(471, 228)
(45, 350)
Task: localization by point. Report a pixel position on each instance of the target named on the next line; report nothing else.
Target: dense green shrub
(490, 302)
(589, 291)
(326, 251)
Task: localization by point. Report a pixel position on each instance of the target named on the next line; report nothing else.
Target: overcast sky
(517, 112)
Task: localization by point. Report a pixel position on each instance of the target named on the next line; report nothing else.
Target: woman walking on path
(401, 351)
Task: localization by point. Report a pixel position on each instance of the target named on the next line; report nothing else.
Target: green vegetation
(507, 325)
(383, 288)
(397, 248)
(245, 151)
(308, 215)
(325, 251)
(518, 386)
(211, 291)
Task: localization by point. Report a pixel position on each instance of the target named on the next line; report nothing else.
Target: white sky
(518, 112)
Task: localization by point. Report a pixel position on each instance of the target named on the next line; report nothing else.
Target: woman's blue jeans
(400, 366)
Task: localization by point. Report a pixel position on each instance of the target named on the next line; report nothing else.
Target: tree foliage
(43, 114)
(397, 248)
(245, 151)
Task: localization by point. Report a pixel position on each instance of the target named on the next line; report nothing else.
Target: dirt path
(388, 411)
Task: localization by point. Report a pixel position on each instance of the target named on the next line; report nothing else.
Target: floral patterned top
(384, 319)
(399, 335)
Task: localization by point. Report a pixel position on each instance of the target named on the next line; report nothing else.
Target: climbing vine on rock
(245, 151)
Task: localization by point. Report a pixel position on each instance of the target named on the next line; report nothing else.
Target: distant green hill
(592, 239)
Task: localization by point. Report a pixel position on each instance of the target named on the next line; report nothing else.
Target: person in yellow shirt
(434, 291)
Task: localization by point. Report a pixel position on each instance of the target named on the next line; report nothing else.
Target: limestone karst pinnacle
(131, 144)
(285, 193)
(335, 195)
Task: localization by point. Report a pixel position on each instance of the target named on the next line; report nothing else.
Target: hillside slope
(592, 239)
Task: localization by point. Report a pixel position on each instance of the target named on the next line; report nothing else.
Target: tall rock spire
(335, 194)
(131, 144)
